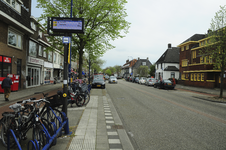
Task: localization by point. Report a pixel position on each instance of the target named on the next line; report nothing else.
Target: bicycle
(22, 120)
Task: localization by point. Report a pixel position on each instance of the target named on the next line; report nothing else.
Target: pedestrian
(6, 85)
(174, 82)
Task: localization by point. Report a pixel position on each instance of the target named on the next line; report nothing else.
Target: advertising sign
(6, 59)
(72, 25)
(0, 58)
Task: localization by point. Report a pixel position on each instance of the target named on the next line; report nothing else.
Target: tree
(108, 72)
(216, 46)
(112, 70)
(104, 21)
(142, 71)
(117, 69)
(96, 65)
(152, 70)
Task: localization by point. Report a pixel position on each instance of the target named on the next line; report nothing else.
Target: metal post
(89, 69)
(69, 66)
(64, 109)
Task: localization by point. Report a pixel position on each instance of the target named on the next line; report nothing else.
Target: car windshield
(98, 77)
(167, 81)
(112, 77)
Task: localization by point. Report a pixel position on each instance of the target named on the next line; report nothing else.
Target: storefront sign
(35, 60)
(0, 58)
(48, 65)
(6, 60)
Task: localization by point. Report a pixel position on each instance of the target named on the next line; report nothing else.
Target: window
(54, 57)
(40, 33)
(195, 77)
(182, 48)
(50, 55)
(201, 59)
(192, 77)
(193, 54)
(144, 63)
(40, 50)
(187, 47)
(206, 59)
(183, 76)
(15, 39)
(184, 63)
(32, 49)
(198, 77)
(172, 74)
(210, 59)
(59, 57)
(187, 76)
(33, 25)
(202, 76)
(14, 4)
(44, 53)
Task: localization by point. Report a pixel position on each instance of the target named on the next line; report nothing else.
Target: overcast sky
(154, 24)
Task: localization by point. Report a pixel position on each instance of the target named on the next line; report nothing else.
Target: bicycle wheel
(6, 124)
(50, 116)
(79, 100)
(40, 135)
(87, 97)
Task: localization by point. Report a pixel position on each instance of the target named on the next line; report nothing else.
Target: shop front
(5, 66)
(48, 72)
(34, 68)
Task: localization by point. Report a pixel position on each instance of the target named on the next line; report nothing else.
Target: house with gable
(138, 63)
(167, 66)
(127, 68)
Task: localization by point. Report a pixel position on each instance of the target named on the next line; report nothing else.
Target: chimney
(127, 60)
(138, 58)
(169, 46)
(147, 58)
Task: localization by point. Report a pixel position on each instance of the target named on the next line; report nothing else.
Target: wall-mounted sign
(66, 39)
(6, 59)
(72, 25)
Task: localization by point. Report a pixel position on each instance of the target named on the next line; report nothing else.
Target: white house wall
(166, 74)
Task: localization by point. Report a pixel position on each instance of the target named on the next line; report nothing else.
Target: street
(168, 119)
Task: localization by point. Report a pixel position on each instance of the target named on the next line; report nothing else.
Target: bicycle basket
(84, 87)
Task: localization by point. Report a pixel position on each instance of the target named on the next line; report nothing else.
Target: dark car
(98, 81)
(164, 84)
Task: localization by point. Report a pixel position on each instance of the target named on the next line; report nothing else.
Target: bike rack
(49, 139)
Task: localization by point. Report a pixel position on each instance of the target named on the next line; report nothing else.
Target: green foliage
(216, 45)
(152, 70)
(96, 65)
(143, 71)
(104, 22)
(117, 69)
(108, 72)
(113, 70)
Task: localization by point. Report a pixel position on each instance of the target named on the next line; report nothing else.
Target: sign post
(61, 26)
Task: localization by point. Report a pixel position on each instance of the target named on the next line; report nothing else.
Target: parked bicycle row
(150, 81)
(43, 116)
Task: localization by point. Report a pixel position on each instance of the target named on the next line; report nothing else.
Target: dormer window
(144, 63)
(14, 4)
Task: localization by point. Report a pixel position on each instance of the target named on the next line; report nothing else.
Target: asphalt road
(168, 119)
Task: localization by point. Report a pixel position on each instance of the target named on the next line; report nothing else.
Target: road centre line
(185, 107)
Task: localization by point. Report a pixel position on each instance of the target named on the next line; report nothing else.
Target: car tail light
(165, 83)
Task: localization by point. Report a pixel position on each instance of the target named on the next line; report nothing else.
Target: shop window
(14, 39)
(183, 76)
(32, 49)
(202, 76)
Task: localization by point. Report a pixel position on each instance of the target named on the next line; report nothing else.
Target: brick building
(15, 31)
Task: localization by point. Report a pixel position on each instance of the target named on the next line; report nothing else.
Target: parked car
(119, 77)
(137, 79)
(131, 79)
(164, 84)
(142, 80)
(150, 81)
(98, 81)
(127, 78)
(106, 77)
(112, 79)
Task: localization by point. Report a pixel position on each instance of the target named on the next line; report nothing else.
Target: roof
(171, 68)
(140, 61)
(171, 55)
(195, 37)
(129, 63)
